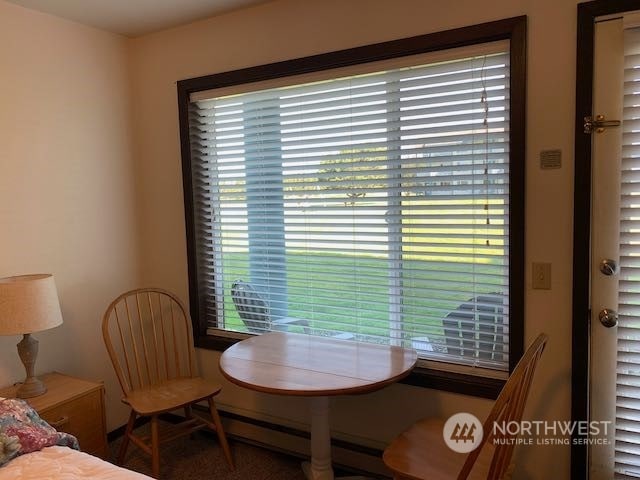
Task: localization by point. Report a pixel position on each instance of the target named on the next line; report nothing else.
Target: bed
(30, 449)
(64, 463)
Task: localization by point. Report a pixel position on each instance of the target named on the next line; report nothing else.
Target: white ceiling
(135, 17)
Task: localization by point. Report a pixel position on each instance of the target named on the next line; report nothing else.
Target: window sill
(463, 383)
(427, 377)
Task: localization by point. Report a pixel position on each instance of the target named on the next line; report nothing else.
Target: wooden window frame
(512, 29)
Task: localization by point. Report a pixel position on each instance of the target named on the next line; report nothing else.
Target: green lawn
(325, 293)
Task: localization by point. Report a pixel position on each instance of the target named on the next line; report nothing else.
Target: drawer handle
(60, 422)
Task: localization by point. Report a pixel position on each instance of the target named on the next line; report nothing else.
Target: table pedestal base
(311, 475)
(319, 468)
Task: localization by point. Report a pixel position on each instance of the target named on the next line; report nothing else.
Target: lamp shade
(28, 303)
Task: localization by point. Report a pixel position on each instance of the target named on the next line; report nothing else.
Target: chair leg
(220, 431)
(125, 439)
(188, 415)
(155, 447)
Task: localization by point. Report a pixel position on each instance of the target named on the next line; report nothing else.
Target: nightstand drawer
(81, 417)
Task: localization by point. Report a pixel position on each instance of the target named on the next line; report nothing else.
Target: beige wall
(286, 29)
(67, 202)
(90, 182)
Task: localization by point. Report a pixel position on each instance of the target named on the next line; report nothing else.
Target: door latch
(608, 267)
(599, 124)
(608, 317)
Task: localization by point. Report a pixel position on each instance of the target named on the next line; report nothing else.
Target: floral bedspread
(23, 431)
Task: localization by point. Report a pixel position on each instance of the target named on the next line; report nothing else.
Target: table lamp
(29, 303)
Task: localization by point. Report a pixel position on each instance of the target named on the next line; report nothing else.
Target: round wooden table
(316, 367)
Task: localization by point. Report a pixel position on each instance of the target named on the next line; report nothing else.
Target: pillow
(23, 431)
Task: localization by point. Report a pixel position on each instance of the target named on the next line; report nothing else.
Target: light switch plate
(541, 273)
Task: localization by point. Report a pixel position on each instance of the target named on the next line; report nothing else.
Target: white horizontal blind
(373, 207)
(627, 448)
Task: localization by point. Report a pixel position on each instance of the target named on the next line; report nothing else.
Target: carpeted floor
(199, 457)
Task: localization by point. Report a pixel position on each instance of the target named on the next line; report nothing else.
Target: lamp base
(28, 351)
(32, 387)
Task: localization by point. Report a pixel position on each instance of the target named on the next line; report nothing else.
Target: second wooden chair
(420, 452)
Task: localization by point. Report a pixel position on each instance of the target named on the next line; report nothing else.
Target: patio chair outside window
(476, 328)
(254, 311)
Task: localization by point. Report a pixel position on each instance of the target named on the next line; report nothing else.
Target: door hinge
(599, 124)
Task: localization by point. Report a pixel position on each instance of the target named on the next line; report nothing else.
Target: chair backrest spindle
(175, 340)
(155, 337)
(125, 386)
(143, 340)
(134, 345)
(167, 374)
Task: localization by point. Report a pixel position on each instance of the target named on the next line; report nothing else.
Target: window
(375, 201)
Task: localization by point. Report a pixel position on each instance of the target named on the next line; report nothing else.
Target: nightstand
(74, 406)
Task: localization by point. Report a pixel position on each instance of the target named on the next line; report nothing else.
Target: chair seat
(420, 453)
(169, 395)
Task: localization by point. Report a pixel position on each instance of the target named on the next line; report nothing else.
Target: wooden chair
(148, 335)
(420, 453)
